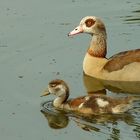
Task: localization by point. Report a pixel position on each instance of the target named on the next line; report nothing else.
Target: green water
(34, 49)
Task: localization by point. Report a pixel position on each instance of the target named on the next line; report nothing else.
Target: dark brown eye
(89, 22)
(53, 85)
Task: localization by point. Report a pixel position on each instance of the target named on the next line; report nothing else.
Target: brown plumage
(122, 59)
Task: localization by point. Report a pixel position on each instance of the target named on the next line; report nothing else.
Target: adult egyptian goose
(124, 66)
(89, 104)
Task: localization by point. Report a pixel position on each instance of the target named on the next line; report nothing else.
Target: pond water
(34, 49)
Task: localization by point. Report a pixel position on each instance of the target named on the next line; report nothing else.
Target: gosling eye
(53, 85)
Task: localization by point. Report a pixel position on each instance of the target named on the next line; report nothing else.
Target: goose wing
(122, 59)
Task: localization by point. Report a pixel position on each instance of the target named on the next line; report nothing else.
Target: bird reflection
(94, 85)
(58, 119)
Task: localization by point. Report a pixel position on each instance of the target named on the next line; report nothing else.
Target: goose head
(91, 25)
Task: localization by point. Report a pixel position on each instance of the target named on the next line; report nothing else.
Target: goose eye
(89, 22)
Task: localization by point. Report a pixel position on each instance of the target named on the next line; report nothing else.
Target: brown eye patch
(54, 83)
(89, 22)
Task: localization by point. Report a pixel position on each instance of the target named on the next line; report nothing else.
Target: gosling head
(57, 87)
(91, 25)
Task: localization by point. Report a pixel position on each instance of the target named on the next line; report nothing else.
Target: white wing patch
(101, 102)
(87, 98)
(81, 105)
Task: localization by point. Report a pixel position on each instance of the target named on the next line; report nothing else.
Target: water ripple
(134, 18)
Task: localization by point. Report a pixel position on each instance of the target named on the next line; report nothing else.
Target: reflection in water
(106, 124)
(94, 85)
(132, 19)
(56, 119)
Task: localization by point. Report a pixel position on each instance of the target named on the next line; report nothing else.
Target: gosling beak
(45, 93)
(77, 30)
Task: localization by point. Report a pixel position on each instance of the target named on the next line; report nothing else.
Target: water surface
(34, 49)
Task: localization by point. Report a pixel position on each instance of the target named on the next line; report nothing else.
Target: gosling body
(89, 104)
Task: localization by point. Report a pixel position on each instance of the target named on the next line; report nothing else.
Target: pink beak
(77, 30)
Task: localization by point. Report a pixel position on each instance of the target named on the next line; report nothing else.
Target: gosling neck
(98, 45)
(61, 99)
